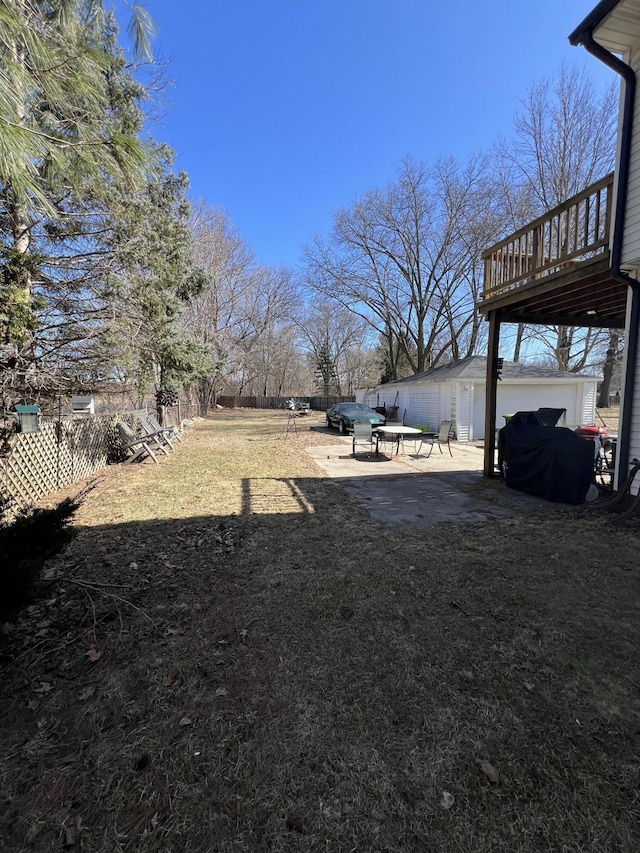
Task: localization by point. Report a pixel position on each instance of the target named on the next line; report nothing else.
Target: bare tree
(333, 338)
(405, 260)
(263, 321)
(564, 136)
(278, 364)
(244, 311)
(612, 360)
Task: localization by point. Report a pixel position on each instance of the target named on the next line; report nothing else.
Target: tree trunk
(518, 344)
(19, 330)
(563, 348)
(609, 366)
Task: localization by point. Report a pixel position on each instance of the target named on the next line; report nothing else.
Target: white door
(477, 420)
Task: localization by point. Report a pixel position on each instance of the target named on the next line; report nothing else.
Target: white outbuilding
(456, 391)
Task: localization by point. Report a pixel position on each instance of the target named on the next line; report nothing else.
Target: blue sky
(283, 111)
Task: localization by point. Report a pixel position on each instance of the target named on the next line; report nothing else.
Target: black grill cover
(546, 461)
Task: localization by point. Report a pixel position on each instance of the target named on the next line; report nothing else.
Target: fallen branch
(94, 584)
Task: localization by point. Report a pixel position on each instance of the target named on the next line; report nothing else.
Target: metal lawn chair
(417, 439)
(362, 434)
(443, 436)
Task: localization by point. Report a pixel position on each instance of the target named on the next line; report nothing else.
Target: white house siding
(588, 404)
(375, 397)
(577, 398)
(389, 399)
(422, 404)
(634, 432)
(631, 240)
(462, 415)
(448, 405)
(557, 396)
(427, 402)
(417, 404)
(477, 417)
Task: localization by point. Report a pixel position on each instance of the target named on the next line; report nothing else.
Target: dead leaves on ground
(294, 824)
(170, 678)
(145, 817)
(72, 831)
(489, 771)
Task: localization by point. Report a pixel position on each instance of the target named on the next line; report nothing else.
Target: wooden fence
(66, 451)
(60, 454)
(318, 404)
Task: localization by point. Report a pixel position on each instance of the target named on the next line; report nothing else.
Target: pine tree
(69, 118)
(152, 279)
(326, 371)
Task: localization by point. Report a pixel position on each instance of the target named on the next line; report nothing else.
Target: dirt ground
(232, 655)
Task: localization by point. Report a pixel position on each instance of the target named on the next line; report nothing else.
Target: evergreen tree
(326, 370)
(152, 279)
(69, 122)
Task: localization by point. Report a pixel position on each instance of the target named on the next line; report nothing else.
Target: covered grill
(542, 459)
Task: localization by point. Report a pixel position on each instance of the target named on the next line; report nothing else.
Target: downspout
(628, 74)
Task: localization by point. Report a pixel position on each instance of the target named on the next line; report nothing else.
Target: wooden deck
(556, 270)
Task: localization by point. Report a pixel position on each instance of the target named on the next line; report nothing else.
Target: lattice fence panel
(61, 454)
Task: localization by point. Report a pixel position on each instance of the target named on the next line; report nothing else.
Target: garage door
(519, 398)
(525, 398)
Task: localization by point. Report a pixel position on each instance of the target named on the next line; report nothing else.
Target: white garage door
(526, 398)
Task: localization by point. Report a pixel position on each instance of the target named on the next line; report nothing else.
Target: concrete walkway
(411, 489)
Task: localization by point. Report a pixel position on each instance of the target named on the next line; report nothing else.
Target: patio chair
(171, 431)
(362, 434)
(417, 439)
(443, 436)
(140, 446)
(162, 435)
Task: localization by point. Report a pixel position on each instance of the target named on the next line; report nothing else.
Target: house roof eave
(615, 24)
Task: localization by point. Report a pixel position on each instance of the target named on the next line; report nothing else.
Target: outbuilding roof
(474, 369)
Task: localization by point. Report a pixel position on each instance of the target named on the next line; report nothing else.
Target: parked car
(343, 416)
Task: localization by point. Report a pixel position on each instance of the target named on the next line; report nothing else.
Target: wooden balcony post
(491, 395)
(537, 250)
(488, 277)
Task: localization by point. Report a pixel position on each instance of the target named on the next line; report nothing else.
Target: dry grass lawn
(232, 656)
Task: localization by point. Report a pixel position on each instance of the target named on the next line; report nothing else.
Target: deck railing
(575, 231)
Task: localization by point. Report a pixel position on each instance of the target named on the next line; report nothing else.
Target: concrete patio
(410, 488)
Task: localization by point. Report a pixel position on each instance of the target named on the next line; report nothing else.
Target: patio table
(396, 432)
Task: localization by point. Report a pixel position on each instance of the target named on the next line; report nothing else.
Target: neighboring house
(579, 264)
(457, 392)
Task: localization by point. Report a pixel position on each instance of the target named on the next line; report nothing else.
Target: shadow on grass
(206, 683)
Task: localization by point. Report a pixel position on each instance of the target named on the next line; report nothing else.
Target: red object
(591, 431)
